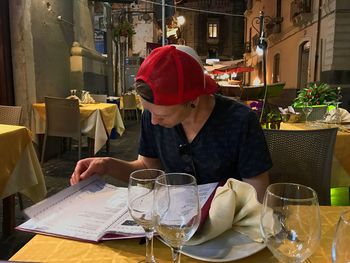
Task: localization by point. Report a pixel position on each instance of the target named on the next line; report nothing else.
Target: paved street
(57, 173)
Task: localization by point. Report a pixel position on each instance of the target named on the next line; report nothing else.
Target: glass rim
(193, 181)
(314, 194)
(143, 170)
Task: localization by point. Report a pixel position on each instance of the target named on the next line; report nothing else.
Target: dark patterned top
(231, 144)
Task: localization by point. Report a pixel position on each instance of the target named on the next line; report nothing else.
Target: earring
(192, 105)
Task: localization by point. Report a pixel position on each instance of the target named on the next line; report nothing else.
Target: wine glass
(341, 241)
(326, 117)
(307, 109)
(140, 203)
(176, 210)
(337, 117)
(290, 221)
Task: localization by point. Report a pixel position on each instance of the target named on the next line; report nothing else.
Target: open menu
(91, 210)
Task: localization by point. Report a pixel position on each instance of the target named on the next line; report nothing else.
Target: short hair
(144, 90)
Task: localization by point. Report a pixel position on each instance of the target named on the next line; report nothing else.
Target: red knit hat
(175, 75)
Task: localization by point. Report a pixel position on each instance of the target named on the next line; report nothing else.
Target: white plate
(229, 246)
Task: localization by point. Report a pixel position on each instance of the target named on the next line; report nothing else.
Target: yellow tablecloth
(51, 249)
(20, 170)
(341, 163)
(97, 120)
(13, 140)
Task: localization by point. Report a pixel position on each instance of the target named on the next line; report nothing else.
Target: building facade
(216, 31)
(308, 40)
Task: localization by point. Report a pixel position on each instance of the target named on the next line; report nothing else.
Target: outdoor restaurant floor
(58, 171)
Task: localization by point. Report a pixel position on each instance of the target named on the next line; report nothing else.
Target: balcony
(301, 11)
(274, 26)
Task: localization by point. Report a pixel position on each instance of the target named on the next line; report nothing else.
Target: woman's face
(167, 116)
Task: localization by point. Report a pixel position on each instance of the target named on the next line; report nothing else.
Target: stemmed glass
(140, 203)
(290, 221)
(176, 210)
(307, 109)
(337, 117)
(327, 115)
(341, 241)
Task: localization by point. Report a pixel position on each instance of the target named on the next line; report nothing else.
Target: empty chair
(99, 97)
(129, 104)
(303, 157)
(62, 120)
(10, 114)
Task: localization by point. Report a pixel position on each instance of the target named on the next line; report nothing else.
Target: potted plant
(272, 120)
(316, 94)
(124, 29)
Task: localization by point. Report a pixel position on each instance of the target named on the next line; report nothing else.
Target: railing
(301, 12)
(298, 7)
(274, 26)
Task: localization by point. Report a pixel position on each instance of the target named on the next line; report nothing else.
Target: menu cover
(91, 210)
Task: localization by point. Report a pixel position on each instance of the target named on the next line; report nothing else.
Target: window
(276, 69)
(213, 30)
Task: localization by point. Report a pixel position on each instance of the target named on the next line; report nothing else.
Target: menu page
(88, 211)
(82, 212)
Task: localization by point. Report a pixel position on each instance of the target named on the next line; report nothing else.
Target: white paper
(88, 211)
(85, 211)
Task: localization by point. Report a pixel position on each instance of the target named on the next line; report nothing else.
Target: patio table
(97, 121)
(52, 249)
(20, 171)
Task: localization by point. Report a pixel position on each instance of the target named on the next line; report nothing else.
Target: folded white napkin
(235, 206)
(87, 99)
(343, 113)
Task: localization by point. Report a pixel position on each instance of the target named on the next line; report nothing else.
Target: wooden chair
(129, 104)
(10, 115)
(303, 157)
(62, 120)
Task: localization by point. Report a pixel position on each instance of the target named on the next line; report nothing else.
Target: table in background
(97, 120)
(20, 171)
(52, 249)
(230, 90)
(341, 165)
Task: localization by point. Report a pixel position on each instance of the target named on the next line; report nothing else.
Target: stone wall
(42, 36)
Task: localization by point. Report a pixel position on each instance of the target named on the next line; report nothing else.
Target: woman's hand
(88, 167)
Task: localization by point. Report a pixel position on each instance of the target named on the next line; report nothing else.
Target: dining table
(97, 121)
(53, 249)
(340, 176)
(20, 171)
